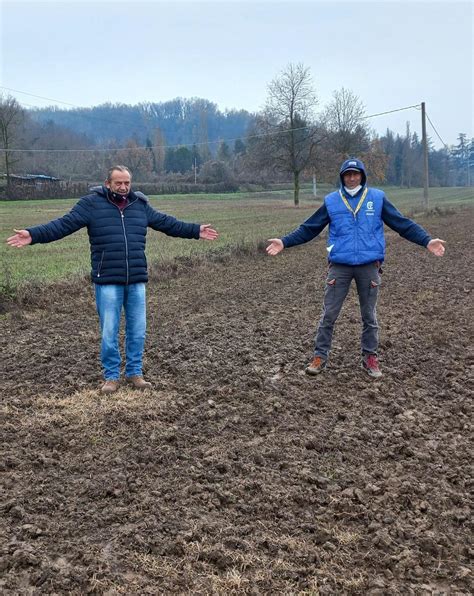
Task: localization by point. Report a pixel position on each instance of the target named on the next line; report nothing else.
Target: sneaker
(316, 366)
(370, 364)
(110, 387)
(138, 382)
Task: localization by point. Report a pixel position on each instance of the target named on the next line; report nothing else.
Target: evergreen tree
(223, 153)
(183, 160)
(178, 160)
(170, 160)
(239, 147)
(461, 155)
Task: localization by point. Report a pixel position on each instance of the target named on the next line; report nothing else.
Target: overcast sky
(392, 54)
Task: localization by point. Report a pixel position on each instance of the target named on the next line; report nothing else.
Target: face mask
(117, 196)
(352, 191)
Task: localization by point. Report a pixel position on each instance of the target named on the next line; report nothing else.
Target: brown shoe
(110, 387)
(138, 382)
(316, 366)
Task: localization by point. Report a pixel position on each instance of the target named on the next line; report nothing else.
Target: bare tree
(344, 118)
(11, 118)
(203, 134)
(159, 143)
(407, 159)
(137, 158)
(285, 133)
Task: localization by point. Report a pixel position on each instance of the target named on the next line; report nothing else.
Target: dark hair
(118, 169)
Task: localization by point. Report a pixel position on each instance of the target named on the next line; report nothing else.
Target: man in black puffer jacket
(117, 220)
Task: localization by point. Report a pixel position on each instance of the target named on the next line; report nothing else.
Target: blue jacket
(356, 239)
(117, 238)
(355, 235)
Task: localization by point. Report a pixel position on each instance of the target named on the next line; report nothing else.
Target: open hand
(21, 238)
(207, 233)
(436, 246)
(275, 246)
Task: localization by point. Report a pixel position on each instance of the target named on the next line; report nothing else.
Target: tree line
(190, 141)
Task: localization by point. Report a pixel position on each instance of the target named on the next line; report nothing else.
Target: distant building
(35, 180)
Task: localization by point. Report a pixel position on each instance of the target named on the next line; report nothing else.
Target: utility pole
(469, 163)
(315, 190)
(424, 141)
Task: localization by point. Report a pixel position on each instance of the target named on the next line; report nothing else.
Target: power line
(83, 108)
(97, 150)
(391, 111)
(433, 126)
(81, 115)
(247, 137)
(99, 119)
(40, 97)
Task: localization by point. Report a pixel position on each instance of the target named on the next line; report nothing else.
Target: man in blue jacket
(356, 249)
(117, 220)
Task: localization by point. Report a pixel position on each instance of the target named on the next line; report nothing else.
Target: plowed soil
(238, 473)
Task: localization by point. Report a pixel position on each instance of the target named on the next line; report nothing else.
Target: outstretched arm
(169, 225)
(409, 229)
(56, 229)
(308, 230)
(21, 238)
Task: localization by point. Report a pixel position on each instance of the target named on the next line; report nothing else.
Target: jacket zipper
(124, 234)
(100, 264)
(122, 216)
(357, 221)
(126, 244)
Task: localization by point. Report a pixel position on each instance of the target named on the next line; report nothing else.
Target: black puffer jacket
(117, 239)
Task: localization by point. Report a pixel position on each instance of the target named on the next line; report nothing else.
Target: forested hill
(178, 121)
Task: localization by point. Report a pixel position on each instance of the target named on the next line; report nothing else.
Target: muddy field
(237, 473)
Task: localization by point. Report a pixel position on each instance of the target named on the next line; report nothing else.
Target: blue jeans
(110, 300)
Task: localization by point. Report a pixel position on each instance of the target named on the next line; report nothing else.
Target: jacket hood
(100, 190)
(353, 164)
(103, 191)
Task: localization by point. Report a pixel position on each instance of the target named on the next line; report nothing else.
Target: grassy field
(242, 219)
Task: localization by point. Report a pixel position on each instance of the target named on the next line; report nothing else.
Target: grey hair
(117, 169)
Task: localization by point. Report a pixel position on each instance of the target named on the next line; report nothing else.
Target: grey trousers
(339, 278)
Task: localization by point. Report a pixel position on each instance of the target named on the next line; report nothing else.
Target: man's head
(352, 173)
(119, 180)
